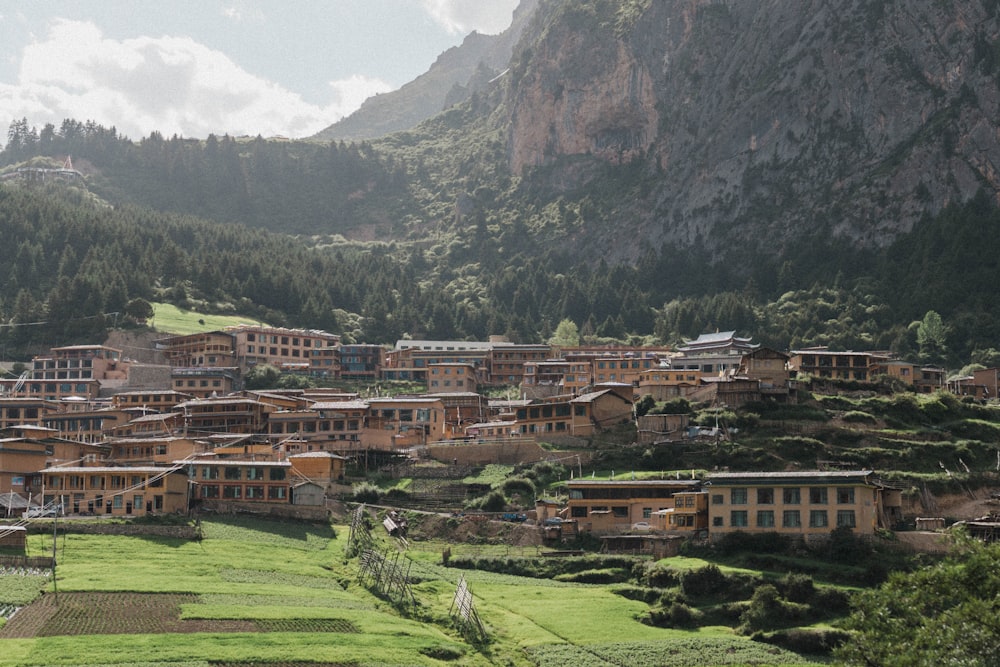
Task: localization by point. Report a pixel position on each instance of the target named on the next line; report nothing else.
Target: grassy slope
(171, 319)
(254, 570)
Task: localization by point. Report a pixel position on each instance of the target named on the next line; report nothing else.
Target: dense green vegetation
(465, 250)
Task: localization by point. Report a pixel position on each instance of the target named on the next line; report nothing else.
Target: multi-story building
(361, 361)
(550, 378)
(286, 349)
(116, 490)
(805, 504)
(75, 370)
(611, 506)
(822, 363)
(324, 426)
(20, 411)
(231, 414)
(451, 378)
(150, 400)
(206, 348)
(205, 382)
(156, 450)
(394, 423)
(243, 481)
(505, 361)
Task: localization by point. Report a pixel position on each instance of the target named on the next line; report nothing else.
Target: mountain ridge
(449, 80)
(861, 118)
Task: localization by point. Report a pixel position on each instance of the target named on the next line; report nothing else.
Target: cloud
(463, 16)
(170, 84)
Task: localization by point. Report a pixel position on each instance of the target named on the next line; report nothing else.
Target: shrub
(797, 587)
(494, 501)
(366, 492)
(743, 542)
(659, 576)
(708, 581)
(610, 575)
(832, 601)
(767, 611)
(519, 485)
(807, 641)
(677, 615)
(397, 494)
(858, 417)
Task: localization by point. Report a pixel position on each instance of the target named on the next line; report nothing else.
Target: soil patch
(138, 613)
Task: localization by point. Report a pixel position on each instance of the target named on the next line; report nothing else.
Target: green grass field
(168, 318)
(272, 593)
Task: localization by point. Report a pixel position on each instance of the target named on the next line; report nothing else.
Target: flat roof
(633, 482)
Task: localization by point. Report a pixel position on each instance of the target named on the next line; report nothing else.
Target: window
(717, 499)
(277, 474)
(717, 521)
(738, 496)
(256, 492)
(738, 518)
(817, 496)
(619, 512)
(765, 518)
(276, 492)
(578, 512)
(647, 512)
(817, 519)
(233, 473)
(137, 501)
(255, 473)
(791, 496)
(116, 502)
(765, 497)
(845, 518)
(791, 519)
(231, 491)
(845, 496)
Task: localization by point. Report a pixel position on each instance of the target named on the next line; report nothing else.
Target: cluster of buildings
(106, 434)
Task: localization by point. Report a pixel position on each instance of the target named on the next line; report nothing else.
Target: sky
(240, 67)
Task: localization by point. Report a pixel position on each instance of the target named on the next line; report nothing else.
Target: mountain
(456, 73)
(749, 123)
(803, 172)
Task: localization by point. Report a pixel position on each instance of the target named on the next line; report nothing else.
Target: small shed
(14, 537)
(308, 494)
(12, 505)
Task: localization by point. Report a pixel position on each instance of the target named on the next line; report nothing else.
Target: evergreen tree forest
(381, 241)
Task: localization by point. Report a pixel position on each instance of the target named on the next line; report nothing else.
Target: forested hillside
(69, 260)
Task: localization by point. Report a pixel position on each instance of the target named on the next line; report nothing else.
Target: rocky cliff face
(758, 120)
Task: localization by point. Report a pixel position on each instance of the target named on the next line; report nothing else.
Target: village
(90, 431)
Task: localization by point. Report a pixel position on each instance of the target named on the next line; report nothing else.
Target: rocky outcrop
(757, 121)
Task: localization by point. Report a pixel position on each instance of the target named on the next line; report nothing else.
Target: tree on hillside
(945, 614)
(932, 337)
(139, 310)
(566, 334)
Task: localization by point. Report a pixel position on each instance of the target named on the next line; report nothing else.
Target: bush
(760, 543)
(858, 417)
(494, 501)
(800, 640)
(611, 575)
(519, 485)
(659, 576)
(396, 494)
(366, 492)
(708, 581)
(767, 611)
(677, 615)
(797, 587)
